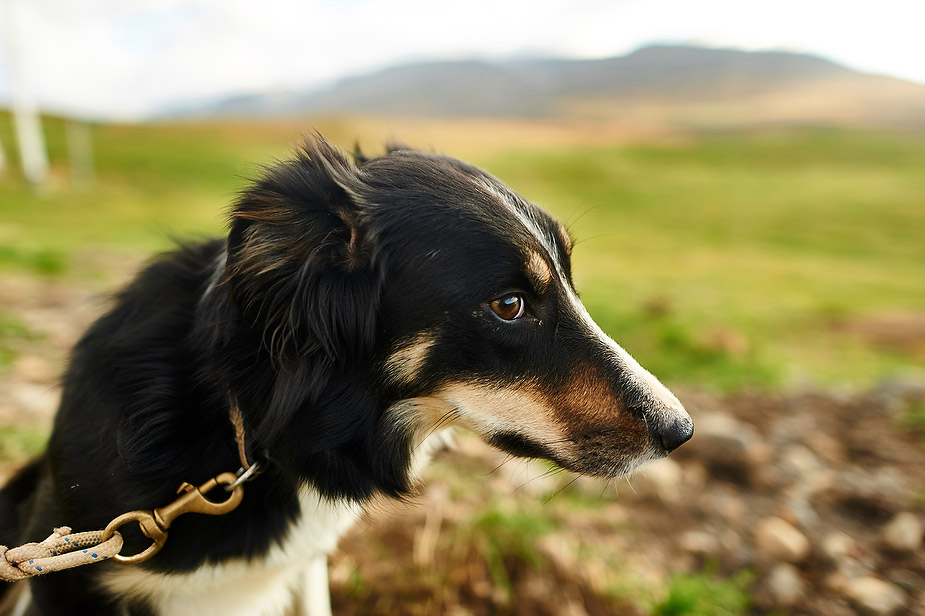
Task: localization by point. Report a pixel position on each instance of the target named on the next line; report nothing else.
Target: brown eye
(509, 307)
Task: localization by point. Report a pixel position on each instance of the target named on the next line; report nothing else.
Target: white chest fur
(265, 585)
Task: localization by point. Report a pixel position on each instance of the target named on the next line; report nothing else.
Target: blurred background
(745, 183)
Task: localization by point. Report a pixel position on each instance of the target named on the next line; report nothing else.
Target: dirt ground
(806, 502)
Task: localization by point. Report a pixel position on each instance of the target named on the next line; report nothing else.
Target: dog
(357, 309)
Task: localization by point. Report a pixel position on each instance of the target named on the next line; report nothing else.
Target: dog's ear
(301, 264)
(306, 275)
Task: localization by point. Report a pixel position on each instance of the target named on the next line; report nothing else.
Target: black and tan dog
(354, 307)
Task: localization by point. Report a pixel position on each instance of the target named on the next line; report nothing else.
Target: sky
(126, 59)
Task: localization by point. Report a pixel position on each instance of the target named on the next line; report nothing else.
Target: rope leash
(62, 550)
(66, 550)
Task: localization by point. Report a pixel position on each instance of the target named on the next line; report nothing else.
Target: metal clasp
(154, 524)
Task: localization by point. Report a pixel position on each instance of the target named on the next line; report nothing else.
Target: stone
(734, 448)
(784, 586)
(790, 428)
(830, 449)
(797, 462)
(699, 542)
(797, 498)
(909, 581)
(874, 596)
(727, 505)
(733, 548)
(903, 533)
(729, 436)
(836, 582)
(661, 479)
(883, 491)
(895, 394)
(777, 540)
(695, 475)
(839, 550)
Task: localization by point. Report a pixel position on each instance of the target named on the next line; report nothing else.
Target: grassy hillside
(752, 259)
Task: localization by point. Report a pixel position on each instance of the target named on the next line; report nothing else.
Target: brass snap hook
(154, 524)
(149, 529)
(193, 500)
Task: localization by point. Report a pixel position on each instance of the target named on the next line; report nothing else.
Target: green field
(762, 259)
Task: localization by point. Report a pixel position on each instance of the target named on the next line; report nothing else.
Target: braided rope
(62, 550)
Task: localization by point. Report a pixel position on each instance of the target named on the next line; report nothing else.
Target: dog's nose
(676, 433)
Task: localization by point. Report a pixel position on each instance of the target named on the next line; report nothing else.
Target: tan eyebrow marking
(538, 271)
(404, 364)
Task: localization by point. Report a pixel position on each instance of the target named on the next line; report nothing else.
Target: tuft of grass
(918, 495)
(913, 419)
(501, 536)
(357, 586)
(515, 533)
(20, 442)
(44, 261)
(12, 333)
(704, 594)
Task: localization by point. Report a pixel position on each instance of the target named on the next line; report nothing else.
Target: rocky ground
(807, 502)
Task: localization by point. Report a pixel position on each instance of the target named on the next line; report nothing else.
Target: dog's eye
(509, 307)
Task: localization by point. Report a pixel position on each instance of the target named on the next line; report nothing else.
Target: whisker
(444, 419)
(575, 220)
(553, 471)
(592, 237)
(630, 484)
(559, 491)
(506, 459)
(548, 473)
(604, 488)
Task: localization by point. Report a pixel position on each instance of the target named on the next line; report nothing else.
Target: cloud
(115, 57)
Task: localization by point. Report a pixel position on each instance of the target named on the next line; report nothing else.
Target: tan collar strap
(237, 420)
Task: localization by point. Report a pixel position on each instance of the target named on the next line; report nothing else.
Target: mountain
(694, 80)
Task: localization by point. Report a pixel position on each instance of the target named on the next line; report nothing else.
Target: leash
(64, 549)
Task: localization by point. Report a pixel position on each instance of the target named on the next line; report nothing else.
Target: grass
(43, 261)
(499, 535)
(748, 243)
(702, 594)
(724, 261)
(18, 443)
(912, 419)
(12, 334)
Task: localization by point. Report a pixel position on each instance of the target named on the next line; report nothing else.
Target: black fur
(329, 267)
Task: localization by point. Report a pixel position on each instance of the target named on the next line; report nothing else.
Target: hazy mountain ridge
(670, 76)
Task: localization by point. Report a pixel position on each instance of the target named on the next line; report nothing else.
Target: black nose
(676, 433)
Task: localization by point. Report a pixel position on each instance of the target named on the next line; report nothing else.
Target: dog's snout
(675, 433)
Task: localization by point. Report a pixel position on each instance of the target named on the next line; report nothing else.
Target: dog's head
(380, 299)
